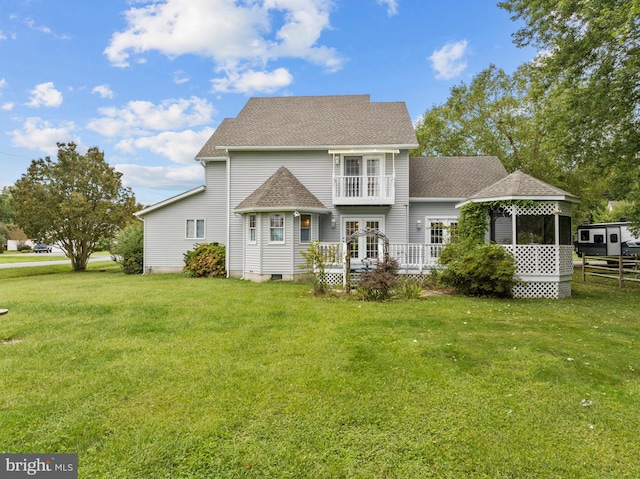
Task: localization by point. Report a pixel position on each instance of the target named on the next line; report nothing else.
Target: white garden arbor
(532, 219)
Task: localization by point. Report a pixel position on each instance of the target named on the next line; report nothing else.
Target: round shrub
(479, 270)
(206, 260)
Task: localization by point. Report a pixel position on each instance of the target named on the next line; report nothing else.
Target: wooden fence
(622, 268)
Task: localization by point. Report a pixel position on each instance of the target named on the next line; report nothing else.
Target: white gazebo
(532, 219)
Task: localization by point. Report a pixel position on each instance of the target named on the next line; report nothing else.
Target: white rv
(606, 239)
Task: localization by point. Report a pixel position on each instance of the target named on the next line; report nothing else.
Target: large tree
(6, 211)
(72, 202)
(506, 116)
(490, 116)
(496, 115)
(589, 68)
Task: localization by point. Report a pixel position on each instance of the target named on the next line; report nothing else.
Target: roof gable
(170, 201)
(313, 121)
(282, 191)
(454, 177)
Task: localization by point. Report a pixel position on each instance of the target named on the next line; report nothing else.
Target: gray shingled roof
(519, 185)
(282, 191)
(314, 121)
(452, 177)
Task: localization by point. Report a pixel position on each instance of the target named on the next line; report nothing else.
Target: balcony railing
(364, 190)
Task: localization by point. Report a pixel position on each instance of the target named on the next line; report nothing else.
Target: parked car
(42, 248)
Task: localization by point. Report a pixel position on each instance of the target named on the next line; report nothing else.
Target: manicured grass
(170, 377)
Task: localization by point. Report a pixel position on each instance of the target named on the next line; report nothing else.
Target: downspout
(228, 248)
(406, 223)
(244, 246)
(145, 248)
(393, 178)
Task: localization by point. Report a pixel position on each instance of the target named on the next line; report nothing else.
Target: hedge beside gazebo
(532, 219)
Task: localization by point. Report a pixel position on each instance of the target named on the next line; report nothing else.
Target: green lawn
(24, 258)
(169, 377)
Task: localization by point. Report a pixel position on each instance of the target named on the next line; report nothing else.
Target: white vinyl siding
(277, 258)
(164, 228)
(421, 211)
(248, 171)
(314, 168)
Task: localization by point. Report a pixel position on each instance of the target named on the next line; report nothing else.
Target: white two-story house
(290, 170)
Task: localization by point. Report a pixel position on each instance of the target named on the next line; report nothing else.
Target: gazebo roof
(520, 186)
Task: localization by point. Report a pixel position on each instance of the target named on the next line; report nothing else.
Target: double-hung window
(194, 229)
(276, 228)
(252, 228)
(305, 228)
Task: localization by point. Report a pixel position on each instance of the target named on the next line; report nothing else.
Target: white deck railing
(545, 260)
(361, 190)
(412, 256)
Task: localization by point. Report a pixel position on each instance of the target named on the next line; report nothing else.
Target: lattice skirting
(335, 279)
(529, 290)
(543, 289)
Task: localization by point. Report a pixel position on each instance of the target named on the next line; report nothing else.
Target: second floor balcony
(364, 190)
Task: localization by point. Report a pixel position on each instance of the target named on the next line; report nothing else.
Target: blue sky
(147, 82)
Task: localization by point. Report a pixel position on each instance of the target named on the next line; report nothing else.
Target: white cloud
(41, 28)
(40, 134)
(45, 94)
(7, 106)
(392, 6)
(2, 36)
(449, 62)
(253, 81)
(180, 77)
(163, 177)
(103, 90)
(177, 146)
(138, 117)
(3, 83)
(237, 36)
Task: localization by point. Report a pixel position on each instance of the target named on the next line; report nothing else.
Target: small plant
(206, 260)
(317, 258)
(433, 280)
(377, 284)
(409, 290)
